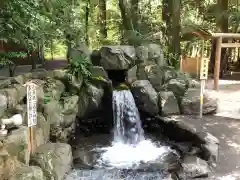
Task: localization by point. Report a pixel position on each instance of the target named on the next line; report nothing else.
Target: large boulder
(177, 86)
(75, 84)
(95, 97)
(211, 147)
(3, 104)
(8, 163)
(83, 103)
(168, 103)
(60, 74)
(195, 167)
(44, 125)
(90, 99)
(17, 144)
(145, 96)
(153, 73)
(81, 50)
(191, 103)
(98, 72)
(12, 96)
(52, 111)
(180, 129)
(163, 78)
(132, 74)
(151, 54)
(53, 88)
(118, 57)
(24, 172)
(61, 115)
(70, 110)
(55, 159)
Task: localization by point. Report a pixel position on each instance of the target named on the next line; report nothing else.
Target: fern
(80, 67)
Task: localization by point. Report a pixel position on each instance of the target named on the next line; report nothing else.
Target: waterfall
(129, 148)
(127, 123)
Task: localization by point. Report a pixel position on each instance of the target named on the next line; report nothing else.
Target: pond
(128, 154)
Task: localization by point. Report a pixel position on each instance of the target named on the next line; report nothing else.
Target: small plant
(47, 98)
(80, 67)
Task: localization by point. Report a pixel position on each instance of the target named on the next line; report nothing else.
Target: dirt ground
(227, 130)
(225, 125)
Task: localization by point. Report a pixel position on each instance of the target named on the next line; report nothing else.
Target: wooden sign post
(203, 78)
(31, 110)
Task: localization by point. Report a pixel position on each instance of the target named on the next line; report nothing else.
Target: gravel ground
(228, 98)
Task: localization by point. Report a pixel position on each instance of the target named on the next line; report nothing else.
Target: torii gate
(219, 45)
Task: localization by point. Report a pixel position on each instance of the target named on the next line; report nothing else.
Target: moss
(99, 78)
(121, 87)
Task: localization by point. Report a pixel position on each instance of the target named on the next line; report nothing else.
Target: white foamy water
(122, 155)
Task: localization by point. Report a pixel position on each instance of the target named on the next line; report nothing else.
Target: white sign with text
(32, 104)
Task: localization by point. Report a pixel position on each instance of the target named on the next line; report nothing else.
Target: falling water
(127, 124)
(129, 148)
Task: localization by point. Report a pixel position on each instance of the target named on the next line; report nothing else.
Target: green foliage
(60, 24)
(80, 67)
(6, 58)
(47, 98)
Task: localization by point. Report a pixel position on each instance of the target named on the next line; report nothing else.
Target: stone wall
(61, 99)
(158, 88)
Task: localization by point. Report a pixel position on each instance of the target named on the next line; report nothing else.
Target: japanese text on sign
(204, 69)
(32, 104)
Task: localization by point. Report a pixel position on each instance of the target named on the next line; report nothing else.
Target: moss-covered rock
(55, 159)
(24, 172)
(16, 144)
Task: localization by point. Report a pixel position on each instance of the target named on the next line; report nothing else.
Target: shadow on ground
(227, 130)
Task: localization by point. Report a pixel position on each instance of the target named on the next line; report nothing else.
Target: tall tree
(222, 26)
(130, 18)
(102, 19)
(87, 13)
(171, 15)
(221, 20)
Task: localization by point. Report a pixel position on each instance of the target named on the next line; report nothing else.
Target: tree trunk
(33, 60)
(126, 18)
(171, 16)
(134, 13)
(222, 26)
(69, 46)
(102, 18)
(212, 57)
(86, 22)
(41, 52)
(130, 18)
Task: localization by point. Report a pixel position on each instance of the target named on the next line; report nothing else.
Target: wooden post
(32, 111)
(217, 63)
(201, 98)
(203, 78)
